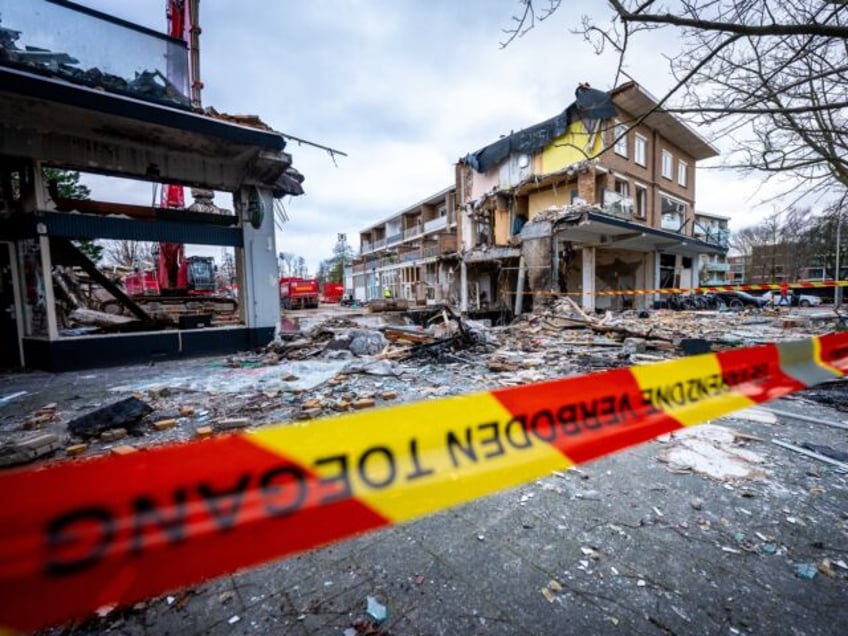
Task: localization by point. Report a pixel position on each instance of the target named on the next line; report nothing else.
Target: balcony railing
(412, 231)
(394, 238)
(436, 224)
(712, 266)
(83, 46)
(412, 255)
(715, 236)
(671, 222)
(617, 205)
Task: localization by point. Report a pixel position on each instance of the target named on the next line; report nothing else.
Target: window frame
(670, 174)
(682, 171)
(621, 146)
(637, 188)
(640, 141)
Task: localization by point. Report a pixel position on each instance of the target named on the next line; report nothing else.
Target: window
(681, 173)
(641, 201)
(640, 148)
(622, 187)
(667, 164)
(620, 134)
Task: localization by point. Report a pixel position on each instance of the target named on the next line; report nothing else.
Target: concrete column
(696, 270)
(260, 292)
(49, 296)
(588, 297)
(656, 282)
(519, 287)
(463, 287)
(441, 277)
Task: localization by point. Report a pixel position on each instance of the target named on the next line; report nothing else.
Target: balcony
(394, 238)
(713, 266)
(713, 235)
(429, 251)
(436, 224)
(673, 222)
(617, 205)
(412, 232)
(61, 39)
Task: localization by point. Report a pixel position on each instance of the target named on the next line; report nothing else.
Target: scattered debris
(827, 451)
(164, 425)
(8, 398)
(552, 590)
(806, 571)
(125, 413)
(231, 423)
(841, 466)
(28, 449)
(805, 418)
(113, 434)
(44, 415)
(124, 450)
(376, 610)
(710, 450)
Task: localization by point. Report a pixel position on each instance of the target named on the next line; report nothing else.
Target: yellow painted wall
(570, 148)
(502, 227)
(544, 199)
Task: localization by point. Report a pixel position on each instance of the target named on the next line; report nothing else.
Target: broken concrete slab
(126, 413)
(711, 450)
(28, 449)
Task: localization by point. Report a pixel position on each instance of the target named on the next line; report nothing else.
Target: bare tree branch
(769, 77)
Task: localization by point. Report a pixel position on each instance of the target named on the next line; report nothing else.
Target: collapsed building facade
(599, 198)
(123, 109)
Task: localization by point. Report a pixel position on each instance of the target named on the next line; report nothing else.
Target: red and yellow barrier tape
(79, 535)
(700, 290)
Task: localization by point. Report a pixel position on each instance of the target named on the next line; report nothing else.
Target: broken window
(617, 201)
(641, 201)
(673, 213)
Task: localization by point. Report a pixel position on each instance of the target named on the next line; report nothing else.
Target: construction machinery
(179, 286)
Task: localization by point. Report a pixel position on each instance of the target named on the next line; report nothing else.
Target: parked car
(738, 300)
(794, 299)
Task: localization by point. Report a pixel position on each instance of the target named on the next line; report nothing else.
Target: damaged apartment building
(597, 199)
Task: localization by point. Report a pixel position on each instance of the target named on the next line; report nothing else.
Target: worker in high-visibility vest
(387, 293)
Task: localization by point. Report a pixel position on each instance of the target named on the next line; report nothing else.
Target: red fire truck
(299, 293)
(332, 292)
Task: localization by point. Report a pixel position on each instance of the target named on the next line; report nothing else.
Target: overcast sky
(405, 88)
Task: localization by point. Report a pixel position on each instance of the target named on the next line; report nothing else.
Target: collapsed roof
(590, 105)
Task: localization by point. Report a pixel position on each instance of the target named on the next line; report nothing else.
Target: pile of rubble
(341, 364)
